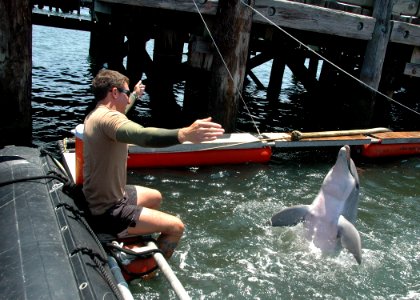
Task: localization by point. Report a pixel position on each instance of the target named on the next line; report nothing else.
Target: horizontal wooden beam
(60, 20)
(412, 69)
(207, 7)
(363, 3)
(400, 7)
(314, 18)
(406, 7)
(405, 33)
(294, 15)
(280, 12)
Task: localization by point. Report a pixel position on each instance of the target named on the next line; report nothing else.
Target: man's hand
(200, 131)
(139, 89)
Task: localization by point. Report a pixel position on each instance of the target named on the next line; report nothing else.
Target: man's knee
(157, 196)
(157, 199)
(176, 227)
(151, 198)
(180, 227)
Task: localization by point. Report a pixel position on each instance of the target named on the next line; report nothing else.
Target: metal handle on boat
(122, 284)
(169, 274)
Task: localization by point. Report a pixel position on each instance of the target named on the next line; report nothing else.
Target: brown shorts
(120, 216)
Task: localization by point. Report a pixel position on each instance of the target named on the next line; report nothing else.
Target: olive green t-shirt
(106, 136)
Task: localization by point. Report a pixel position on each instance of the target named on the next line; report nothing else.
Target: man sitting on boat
(116, 207)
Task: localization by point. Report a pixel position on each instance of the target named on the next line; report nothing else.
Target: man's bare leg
(153, 221)
(148, 197)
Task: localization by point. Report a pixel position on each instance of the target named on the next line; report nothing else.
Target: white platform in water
(225, 142)
(70, 160)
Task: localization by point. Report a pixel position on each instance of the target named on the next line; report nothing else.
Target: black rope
(116, 249)
(17, 180)
(88, 252)
(145, 254)
(51, 174)
(123, 266)
(100, 262)
(64, 179)
(80, 216)
(76, 212)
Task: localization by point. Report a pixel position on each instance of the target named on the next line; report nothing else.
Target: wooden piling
(197, 84)
(15, 72)
(277, 70)
(213, 85)
(371, 70)
(138, 60)
(232, 34)
(167, 58)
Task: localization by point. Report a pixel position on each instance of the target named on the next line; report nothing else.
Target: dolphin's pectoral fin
(290, 216)
(350, 238)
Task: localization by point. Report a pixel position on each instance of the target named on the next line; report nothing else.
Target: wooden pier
(363, 46)
(353, 34)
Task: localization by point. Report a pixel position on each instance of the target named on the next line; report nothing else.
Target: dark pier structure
(347, 54)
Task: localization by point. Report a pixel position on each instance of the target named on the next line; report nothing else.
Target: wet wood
(284, 140)
(405, 33)
(15, 72)
(297, 135)
(313, 18)
(56, 19)
(398, 137)
(406, 7)
(400, 7)
(413, 67)
(376, 48)
(232, 30)
(281, 12)
(324, 24)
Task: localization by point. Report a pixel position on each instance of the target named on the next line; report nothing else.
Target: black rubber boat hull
(46, 251)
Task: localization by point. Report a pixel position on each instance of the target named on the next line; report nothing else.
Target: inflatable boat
(48, 249)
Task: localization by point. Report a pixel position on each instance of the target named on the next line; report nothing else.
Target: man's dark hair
(105, 80)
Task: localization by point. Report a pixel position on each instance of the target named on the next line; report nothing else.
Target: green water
(228, 251)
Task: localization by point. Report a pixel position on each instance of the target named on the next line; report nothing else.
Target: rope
(143, 254)
(226, 66)
(297, 135)
(330, 62)
(59, 178)
(80, 216)
(100, 262)
(96, 257)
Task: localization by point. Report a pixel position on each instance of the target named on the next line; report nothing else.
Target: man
(118, 208)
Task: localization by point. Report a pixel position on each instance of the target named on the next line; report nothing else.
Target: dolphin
(329, 220)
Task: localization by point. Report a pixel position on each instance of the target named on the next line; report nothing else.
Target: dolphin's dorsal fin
(350, 238)
(290, 216)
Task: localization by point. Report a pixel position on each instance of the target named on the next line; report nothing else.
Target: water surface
(228, 251)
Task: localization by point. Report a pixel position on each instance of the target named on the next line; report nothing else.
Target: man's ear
(114, 92)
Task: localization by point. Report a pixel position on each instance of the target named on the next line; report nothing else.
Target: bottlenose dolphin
(329, 220)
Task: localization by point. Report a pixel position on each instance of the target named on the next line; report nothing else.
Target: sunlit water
(228, 251)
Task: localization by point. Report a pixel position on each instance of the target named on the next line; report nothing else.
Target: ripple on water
(227, 251)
